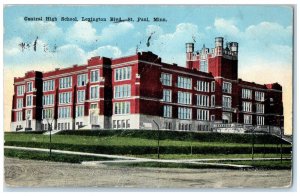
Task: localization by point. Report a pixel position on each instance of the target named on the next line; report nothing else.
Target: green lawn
(211, 156)
(56, 157)
(120, 141)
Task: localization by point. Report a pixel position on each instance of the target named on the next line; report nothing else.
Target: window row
(48, 99)
(203, 100)
(65, 82)
(246, 93)
(203, 86)
(123, 73)
(184, 82)
(184, 98)
(122, 108)
(184, 113)
(79, 110)
(48, 85)
(65, 98)
(47, 113)
(121, 124)
(122, 91)
(203, 115)
(64, 112)
(259, 96)
(247, 106)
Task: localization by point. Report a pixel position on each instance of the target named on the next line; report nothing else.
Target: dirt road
(29, 173)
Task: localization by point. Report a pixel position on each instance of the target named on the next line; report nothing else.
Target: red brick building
(130, 92)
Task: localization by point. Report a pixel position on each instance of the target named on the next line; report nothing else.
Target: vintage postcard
(148, 96)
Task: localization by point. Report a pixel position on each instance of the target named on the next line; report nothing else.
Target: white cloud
(114, 30)
(82, 32)
(171, 46)
(269, 32)
(226, 27)
(10, 46)
(106, 51)
(70, 54)
(44, 30)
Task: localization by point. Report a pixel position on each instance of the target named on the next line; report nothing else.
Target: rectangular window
(29, 100)
(167, 95)
(203, 66)
(20, 90)
(184, 82)
(247, 106)
(82, 79)
(122, 91)
(29, 86)
(48, 85)
(260, 108)
(167, 111)
(94, 94)
(226, 102)
(79, 110)
(213, 86)
(95, 76)
(48, 99)
(47, 113)
(80, 96)
(19, 116)
(247, 119)
(227, 87)
(64, 112)
(203, 100)
(65, 82)
(123, 73)
(203, 115)
(94, 106)
(260, 120)
(65, 98)
(184, 98)
(246, 93)
(212, 103)
(166, 79)
(259, 96)
(184, 113)
(122, 108)
(203, 86)
(19, 103)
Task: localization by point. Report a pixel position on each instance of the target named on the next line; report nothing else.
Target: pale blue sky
(256, 28)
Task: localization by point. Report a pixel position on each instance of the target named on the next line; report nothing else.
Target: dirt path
(29, 173)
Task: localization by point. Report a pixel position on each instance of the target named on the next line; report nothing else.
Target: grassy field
(56, 157)
(133, 144)
(211, 156)
(173, 145)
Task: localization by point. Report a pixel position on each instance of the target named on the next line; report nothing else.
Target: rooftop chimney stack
(219, 46)
(189, 55)
(233, 46)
